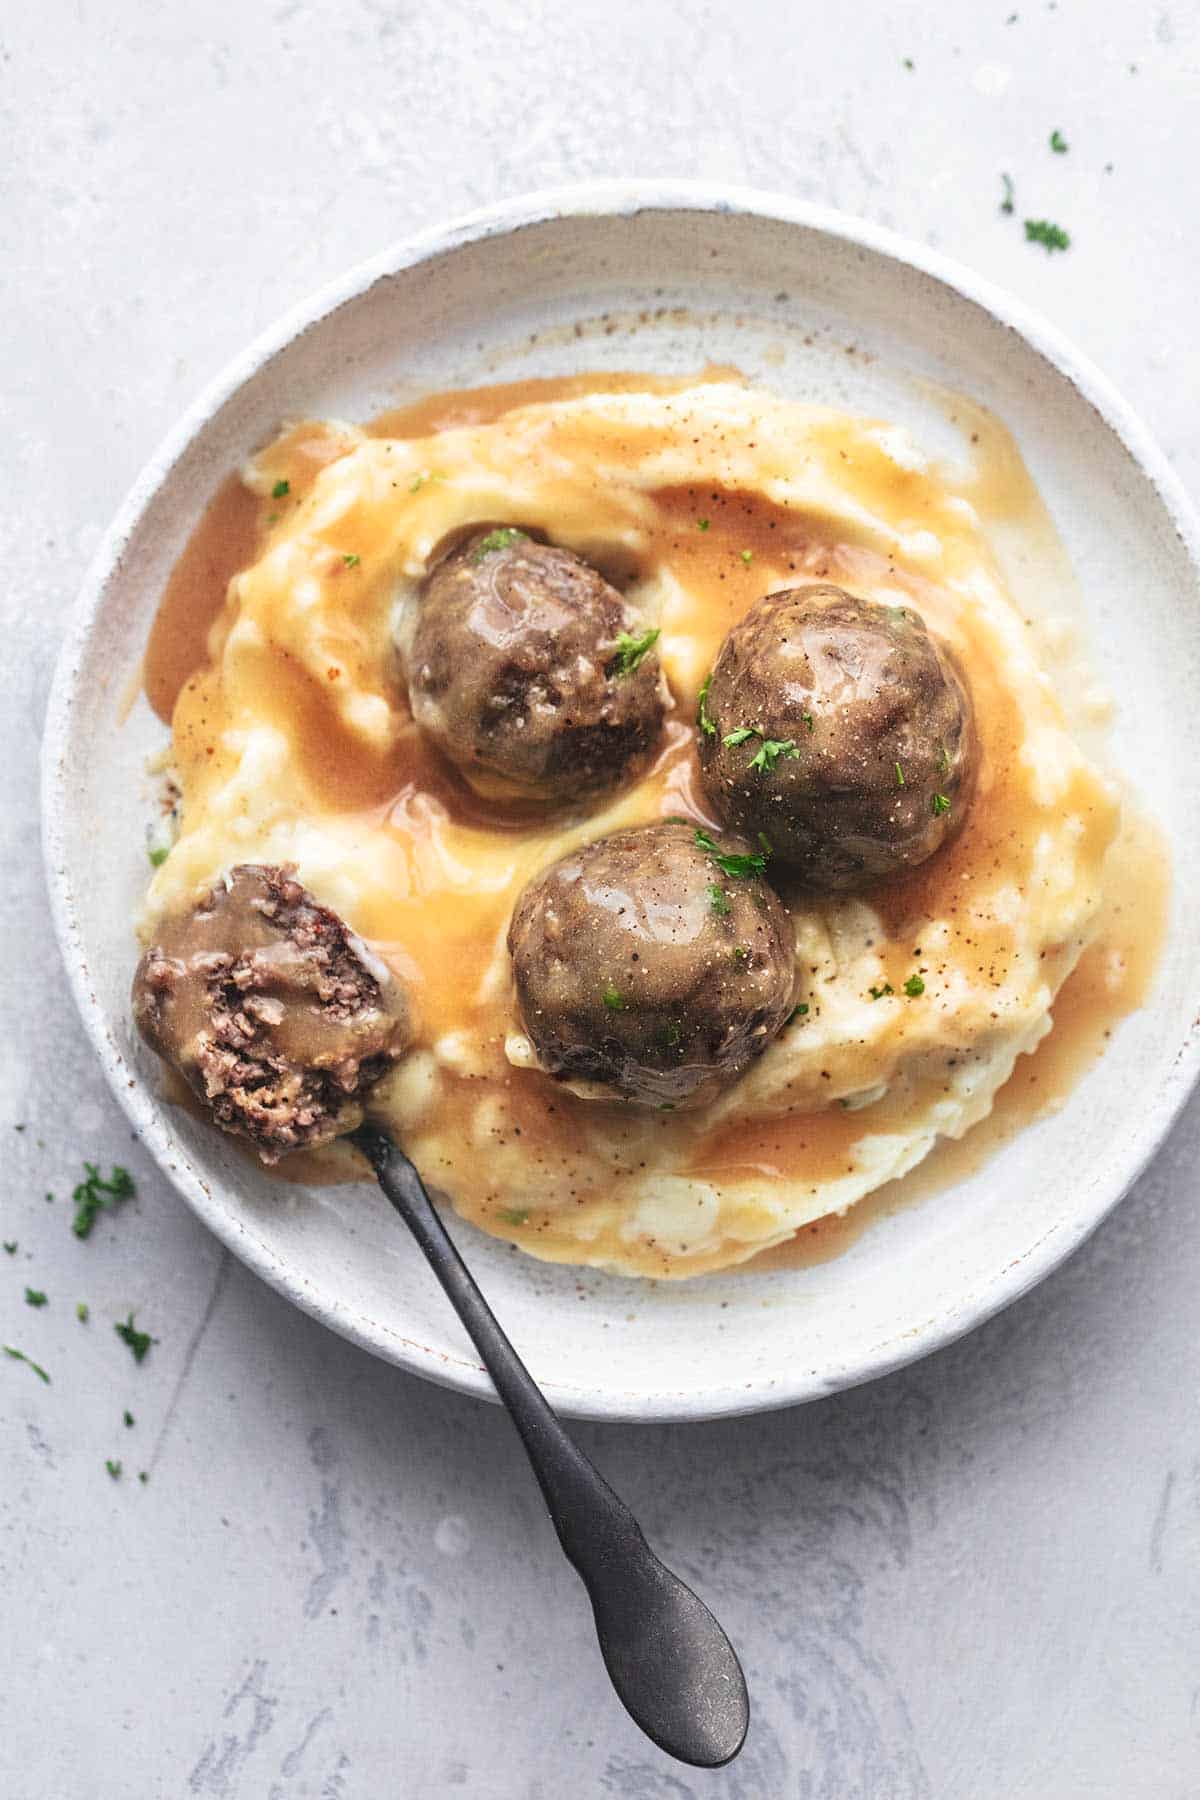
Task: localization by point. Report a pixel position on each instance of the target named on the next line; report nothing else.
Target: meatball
(267, 1006)
(842, 730)
(531, 673)
(657, 962)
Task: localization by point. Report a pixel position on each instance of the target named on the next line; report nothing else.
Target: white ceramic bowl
(662, 277)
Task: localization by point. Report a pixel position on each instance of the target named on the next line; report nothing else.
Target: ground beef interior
(268, 1007)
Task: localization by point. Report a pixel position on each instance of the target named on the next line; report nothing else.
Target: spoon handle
(673, 1667)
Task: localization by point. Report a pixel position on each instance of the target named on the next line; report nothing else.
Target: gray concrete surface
(975, 1581)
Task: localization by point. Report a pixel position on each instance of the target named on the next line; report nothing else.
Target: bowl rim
(613, 199)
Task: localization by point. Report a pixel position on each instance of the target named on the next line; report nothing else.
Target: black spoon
(675, 1671)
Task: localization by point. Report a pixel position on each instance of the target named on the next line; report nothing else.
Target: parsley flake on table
(82, 1311)
(1058, 143)
(128, 1417)
(1006, 203)
(114, 1468)
(1043, 231)
(20, 1356)
(139, 1342)
(158, 855)
(738, 868)
(914, 987)
(502, 539)
(93, 1195)
(631, 650)
(280, 489)
(10, 1245)
(34, 1297)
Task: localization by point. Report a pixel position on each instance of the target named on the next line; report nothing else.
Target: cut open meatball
(531, 673)
(657, 962)
(271, 1010)
(842, 730)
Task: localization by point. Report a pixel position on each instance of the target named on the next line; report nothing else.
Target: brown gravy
(1112, 978)
(224, 541)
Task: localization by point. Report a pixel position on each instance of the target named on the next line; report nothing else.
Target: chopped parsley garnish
(631, 650)
(1042, 231)
(352, 561)
(143, 1476)
(899, 775)
(128, 1417)
(810, 724)
(769, 752)
(1058, 143)
(508, 1215)
(159, 855)
(702, 719)
(1006, 204)
(502, 539)
(417, 483)
(81, 1311)
(671, 1034)
(139, 1341)
(703, 524)
(94, 1194)
(740, 953)
(738, 868)
(280, 489)
(877, 993)
(718, 901)
(10, 1244)
(747, 557)
(34, 1297)
(20, 1356)
(114, 1468)
(612, 999)
(914, 987)
(909, 63)
(797, 1012)
(941, 804)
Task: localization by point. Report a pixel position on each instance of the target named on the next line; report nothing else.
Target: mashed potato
(294, 744)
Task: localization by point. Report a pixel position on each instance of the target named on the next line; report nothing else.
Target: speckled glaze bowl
(664, 277)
